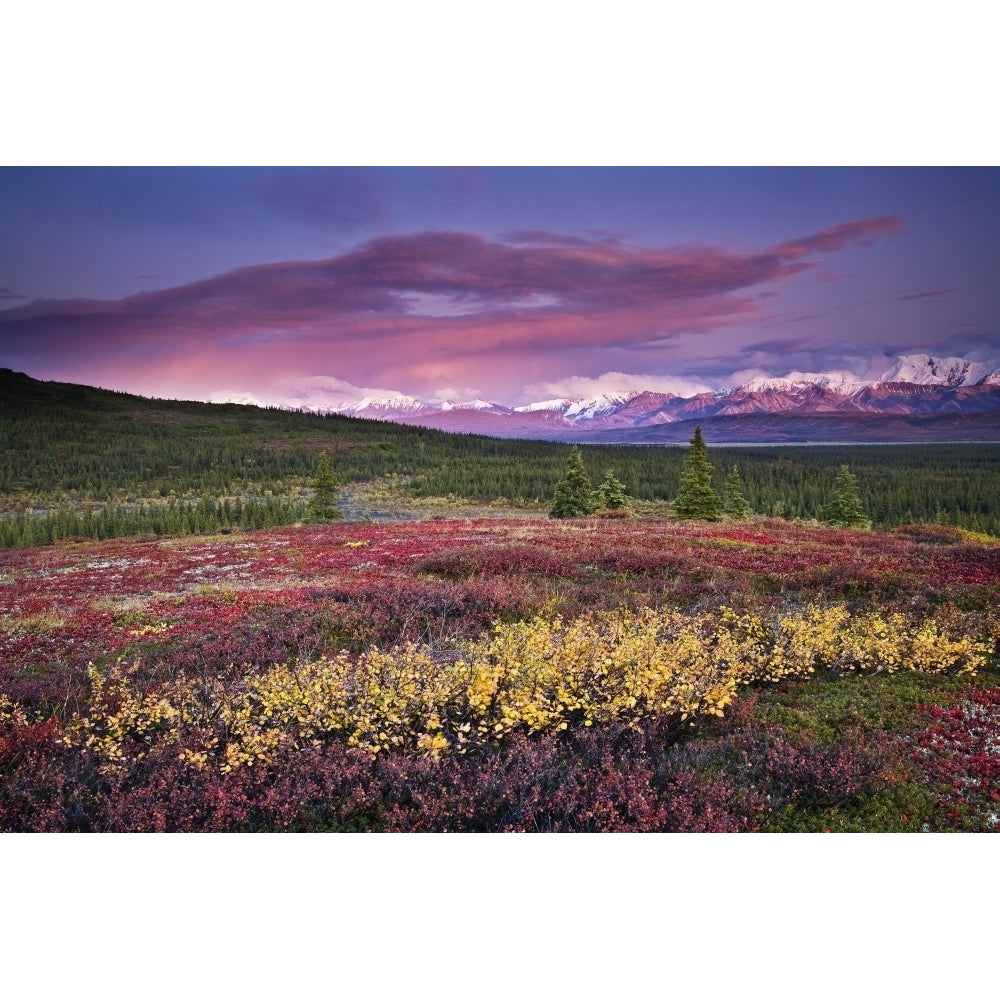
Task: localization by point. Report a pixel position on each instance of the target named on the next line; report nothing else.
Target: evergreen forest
(81, 461)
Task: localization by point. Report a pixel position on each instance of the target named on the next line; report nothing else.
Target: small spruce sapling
(696, 499)
(845, 511)
(734, 504)
(323, 503)
(574, 494)
(611, 495)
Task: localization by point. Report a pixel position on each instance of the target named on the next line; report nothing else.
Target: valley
(182, 650)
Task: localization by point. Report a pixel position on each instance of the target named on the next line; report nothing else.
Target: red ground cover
(253, 599)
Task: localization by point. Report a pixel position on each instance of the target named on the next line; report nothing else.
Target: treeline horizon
(100, 463)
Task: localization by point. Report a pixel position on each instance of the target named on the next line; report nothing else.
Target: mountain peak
(924, 369)
(837, 381)
(384, 404)
(916, 384)
(482, 405)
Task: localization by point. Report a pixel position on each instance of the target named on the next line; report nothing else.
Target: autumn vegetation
(514, 674)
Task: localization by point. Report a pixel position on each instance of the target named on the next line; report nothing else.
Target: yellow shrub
(540, 675)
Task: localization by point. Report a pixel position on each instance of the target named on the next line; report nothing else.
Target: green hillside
(80, 460)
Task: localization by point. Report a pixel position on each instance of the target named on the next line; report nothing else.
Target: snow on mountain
(583, 409)
(844, 383)
(401, 405)
(594, 406)
(558, 405)
(922, 369)
(910, 369)
(476, 404)
(917, 384)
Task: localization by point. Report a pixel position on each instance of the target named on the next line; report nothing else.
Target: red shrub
(959, 754)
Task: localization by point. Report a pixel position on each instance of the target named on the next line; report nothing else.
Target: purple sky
(318, 286)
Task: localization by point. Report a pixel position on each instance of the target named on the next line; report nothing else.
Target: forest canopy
(72, 450)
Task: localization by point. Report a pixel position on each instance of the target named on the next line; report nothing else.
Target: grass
(879, 708)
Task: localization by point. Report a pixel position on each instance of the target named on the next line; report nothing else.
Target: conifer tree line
(70, 450)
(696, 498)
(173, 517)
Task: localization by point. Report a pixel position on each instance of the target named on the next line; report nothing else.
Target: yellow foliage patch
(535, 676)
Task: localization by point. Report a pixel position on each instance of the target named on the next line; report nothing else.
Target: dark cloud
(575, 270)
(925, 295)
(802, 318)
(7, 295)
(776, 346)
(817, 353)
(964, 343)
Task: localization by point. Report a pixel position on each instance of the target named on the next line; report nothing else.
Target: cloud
(831, 275)
(7, 295)
(778, 357)
(542, 237)
(455, 394)
(925, 295)
(326, 392)
(545, 237)
(783, 346)
(423, 311)
(802, 318)
(235, 396)
(862, 232)
(577, 386)
(964, 343)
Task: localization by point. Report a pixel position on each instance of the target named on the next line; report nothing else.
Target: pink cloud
(862, 232)
(435, 306)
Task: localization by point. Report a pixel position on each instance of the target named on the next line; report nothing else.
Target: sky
(292, 285)
(319, 286)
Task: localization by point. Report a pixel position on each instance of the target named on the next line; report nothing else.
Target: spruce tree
(734, 503)
(323, 503)
(574, 494)
(611, 495)
(696, 499)
(845, 511)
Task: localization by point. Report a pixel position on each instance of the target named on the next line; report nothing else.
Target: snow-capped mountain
(480, 405)
(547, 405)
(598, 406)
(384, 407)
(922, 369)
(844, 383)
(582, 409)
(931, 393)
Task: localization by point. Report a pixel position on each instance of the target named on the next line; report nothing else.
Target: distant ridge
(918, 398)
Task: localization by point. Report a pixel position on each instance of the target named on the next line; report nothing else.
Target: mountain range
(919, 398)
